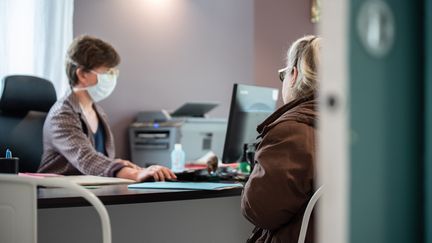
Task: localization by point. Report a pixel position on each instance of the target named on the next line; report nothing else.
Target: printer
(154, 133)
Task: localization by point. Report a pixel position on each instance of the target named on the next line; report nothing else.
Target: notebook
(185, 185)
(89, 180)
(83, 180)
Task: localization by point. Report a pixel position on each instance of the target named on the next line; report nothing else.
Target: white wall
(278, 23)
(173, 51)
(334, 143)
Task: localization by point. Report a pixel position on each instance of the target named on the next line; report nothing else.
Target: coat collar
(301, 109)
(77, 108)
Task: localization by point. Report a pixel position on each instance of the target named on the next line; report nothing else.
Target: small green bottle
(244, 167)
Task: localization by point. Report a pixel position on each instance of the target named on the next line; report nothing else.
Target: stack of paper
(84, 180)
(185, 185)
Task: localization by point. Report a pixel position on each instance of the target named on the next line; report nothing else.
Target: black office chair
(24, 104)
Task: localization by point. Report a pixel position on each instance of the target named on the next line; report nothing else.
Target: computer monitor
(250, 105)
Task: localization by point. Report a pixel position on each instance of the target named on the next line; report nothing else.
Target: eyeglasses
(282, 73)
(111, 71)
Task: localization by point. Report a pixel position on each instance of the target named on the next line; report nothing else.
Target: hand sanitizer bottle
(177, 158)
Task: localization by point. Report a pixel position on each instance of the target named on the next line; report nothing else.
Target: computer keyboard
(222, 174)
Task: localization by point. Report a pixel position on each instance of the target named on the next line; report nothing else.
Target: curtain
(34, 37)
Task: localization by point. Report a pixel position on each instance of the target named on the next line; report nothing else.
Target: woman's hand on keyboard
(156, 172)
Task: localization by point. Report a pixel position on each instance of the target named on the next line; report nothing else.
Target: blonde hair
(304, 55)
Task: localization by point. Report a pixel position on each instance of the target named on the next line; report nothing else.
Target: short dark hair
(89, 52)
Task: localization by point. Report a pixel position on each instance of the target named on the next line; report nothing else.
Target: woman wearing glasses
(76, 136)
(282, 182)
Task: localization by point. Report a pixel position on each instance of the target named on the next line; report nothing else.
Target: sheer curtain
(34, 37)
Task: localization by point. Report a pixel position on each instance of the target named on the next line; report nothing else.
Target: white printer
(153, 135)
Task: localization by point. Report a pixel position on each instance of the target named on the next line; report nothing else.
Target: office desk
(143, 215)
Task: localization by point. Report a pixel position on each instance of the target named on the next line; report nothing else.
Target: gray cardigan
(69, 146)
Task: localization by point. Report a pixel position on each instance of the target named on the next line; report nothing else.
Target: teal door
(428, 123)
(387, 125)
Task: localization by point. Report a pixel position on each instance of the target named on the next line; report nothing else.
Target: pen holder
(9, 165)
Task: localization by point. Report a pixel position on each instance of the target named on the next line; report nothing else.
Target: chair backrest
(24, 103)
(308, 211)
(18, 207)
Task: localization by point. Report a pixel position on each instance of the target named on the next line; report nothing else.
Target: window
(34, 36)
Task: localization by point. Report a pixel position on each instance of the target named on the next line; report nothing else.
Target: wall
(173, 51)
(277, 24)
(335, 135)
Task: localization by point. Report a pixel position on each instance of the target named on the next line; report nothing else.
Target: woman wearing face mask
(76, 136)
(280, 186)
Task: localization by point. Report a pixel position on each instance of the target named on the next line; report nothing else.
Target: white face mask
(104, 87)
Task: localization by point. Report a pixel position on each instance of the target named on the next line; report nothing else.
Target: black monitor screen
(250, 105)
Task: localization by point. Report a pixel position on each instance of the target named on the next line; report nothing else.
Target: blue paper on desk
(185, 185)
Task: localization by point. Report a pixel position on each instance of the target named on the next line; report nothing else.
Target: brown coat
(69, 146)
(282, 182)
